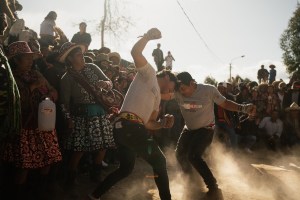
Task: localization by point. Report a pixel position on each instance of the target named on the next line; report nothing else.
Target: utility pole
(230, 65)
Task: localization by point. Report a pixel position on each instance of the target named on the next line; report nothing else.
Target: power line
(199, 35)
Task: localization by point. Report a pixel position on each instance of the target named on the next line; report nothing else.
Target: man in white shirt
(272, 130)
(139, 113)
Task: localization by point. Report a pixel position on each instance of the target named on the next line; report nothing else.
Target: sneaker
(104, 164)
(215, 194)
(93, 198)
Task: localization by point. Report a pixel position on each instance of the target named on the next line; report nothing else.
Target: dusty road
(237, 178)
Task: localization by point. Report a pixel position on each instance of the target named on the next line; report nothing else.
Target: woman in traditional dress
(87, 119)
(31, 148)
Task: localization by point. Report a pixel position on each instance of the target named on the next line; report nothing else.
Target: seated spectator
(271, 130)
(82, 37)
(226, 121)
(247, 132)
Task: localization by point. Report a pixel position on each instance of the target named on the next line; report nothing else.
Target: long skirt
(32, 149)
(90, 134)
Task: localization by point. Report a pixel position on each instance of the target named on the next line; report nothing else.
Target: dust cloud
(276, 176)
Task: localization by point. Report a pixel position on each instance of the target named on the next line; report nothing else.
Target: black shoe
(95, 173)
(215, 194)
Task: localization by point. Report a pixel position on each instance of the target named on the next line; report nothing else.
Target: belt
(131, 117)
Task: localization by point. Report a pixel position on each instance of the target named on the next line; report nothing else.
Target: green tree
(290, 43)
(210, 80)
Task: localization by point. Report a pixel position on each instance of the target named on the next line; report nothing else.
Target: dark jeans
(132, 139)
(190, 148)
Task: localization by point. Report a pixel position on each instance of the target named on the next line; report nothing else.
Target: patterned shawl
(12, 123)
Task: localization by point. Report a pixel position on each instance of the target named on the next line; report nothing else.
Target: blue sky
(231, 28)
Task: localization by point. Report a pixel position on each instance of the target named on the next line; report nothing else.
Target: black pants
(190, 148)
(132, 139)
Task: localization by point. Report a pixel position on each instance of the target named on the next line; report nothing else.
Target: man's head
(222, 87)
(158, 45)
(262, 66)
(82, 27)
(166, 80)
(274, 115)
(186, 85)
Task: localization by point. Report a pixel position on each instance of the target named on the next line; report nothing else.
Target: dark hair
(51, 15)
(164, 73)
(184, 78)
(83, 23)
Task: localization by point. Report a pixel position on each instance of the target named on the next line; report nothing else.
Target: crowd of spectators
(275, 127)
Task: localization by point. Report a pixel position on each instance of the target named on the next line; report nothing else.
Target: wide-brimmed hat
(272, 66)
(296, 85)
(114, 54)
(21, 47)
(66, 48)
(102, 57)
(293, 107)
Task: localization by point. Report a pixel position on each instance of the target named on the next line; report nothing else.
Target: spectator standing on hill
(82, 37)
(47, 30)
(272, 76)
(169, 61)
(262, 74)
(158, 56)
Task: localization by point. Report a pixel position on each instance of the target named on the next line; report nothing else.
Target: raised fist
(153, 34)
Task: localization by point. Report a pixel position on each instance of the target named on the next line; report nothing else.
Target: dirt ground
(277, 179)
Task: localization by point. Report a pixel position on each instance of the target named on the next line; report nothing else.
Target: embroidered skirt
(32, 149)
(90, 134)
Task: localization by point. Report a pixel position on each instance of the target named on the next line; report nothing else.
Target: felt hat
(21, 47)
(102, 57)
(66, 48)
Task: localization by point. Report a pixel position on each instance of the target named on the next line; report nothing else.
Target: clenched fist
(153, 34)
(167, 121)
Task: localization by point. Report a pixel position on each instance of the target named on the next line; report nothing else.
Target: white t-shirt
(143, 95)
(271, 128)
(47, 27)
